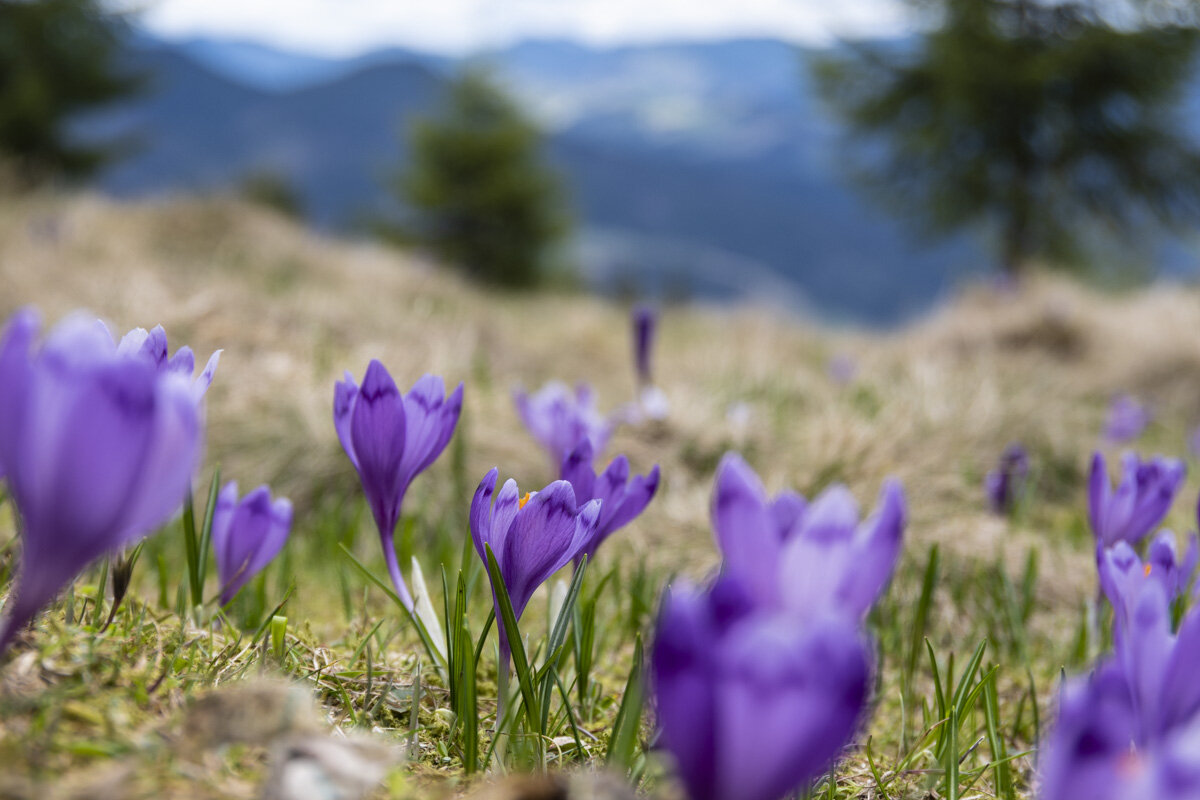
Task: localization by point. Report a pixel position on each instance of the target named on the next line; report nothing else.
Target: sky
(347, 27)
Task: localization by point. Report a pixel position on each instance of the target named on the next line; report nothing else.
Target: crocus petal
(247, 535)
(542, 538)
(744, 529)
(637, 495)
(377, 430)
(15, 379)
(1145, 653)
(210, 370)
(577, 470)
(787, 511)
(85, 477)
(684, 690)
(1179, 690)
(172, 458)
(222, 516)
(832, 515)
(345, 394)
(481, 512)
(183, 362)
(875, 552)
(790, 701)
(430, 419)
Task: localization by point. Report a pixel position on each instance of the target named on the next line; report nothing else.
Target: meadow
(314, 670)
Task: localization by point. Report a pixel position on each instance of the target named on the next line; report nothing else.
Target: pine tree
(1045, 123)
(481, 197)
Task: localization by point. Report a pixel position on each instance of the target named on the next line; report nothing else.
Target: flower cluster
(1129, 728)
(99, 440)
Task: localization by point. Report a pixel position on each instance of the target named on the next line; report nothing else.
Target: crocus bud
(246, 535)
(1005, 484)
(390, 438)
(645, 320)
(531, 537)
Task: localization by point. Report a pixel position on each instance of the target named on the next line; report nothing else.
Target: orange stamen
(1147, 570)
(521, 504)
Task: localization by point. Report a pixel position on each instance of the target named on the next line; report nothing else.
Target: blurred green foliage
(1049, 125)
(272, 190)
(481, 197)
(58, 58)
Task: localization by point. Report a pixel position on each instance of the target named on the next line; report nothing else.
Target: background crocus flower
(98, 445)
(560, 419)
(645, 320)
(810, 558)
(842, 369)
(1005, 484)
(1127, 418)
(390, 439)
(751, 705)
(621, 498)
(153, 345)
(532, 537)
(1140, 500)
(246, 535)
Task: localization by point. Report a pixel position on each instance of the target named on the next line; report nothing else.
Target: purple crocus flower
(390, 439)
(532, 537)
(560, 419)
(98, 445)
(1005, 484)
(842, 369)
(246, 535)
(1140, 501)
(621, 498)
(645, 320)
(809, 558)
(1127, 418)
(751, 705)
(1130, 730)
(1124, 577)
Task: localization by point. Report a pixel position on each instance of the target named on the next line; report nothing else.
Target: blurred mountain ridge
(703, 168)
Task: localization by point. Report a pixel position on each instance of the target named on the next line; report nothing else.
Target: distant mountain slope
(716, 153)
(333, 141)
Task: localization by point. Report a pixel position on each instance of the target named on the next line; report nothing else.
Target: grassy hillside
(934, 405)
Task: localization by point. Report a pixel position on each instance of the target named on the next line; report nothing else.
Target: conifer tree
(481, 197)
(1049, 124)
(58, 58)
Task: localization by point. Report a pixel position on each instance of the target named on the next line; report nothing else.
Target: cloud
(341, 27)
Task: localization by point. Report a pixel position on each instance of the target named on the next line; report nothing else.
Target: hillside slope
(933, 405)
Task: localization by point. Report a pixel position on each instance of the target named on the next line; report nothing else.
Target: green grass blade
(426, 640)
(1000, 764)
(520, 664)
(191, 545)
(206, 531)
(921, 619)
(625, 727)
